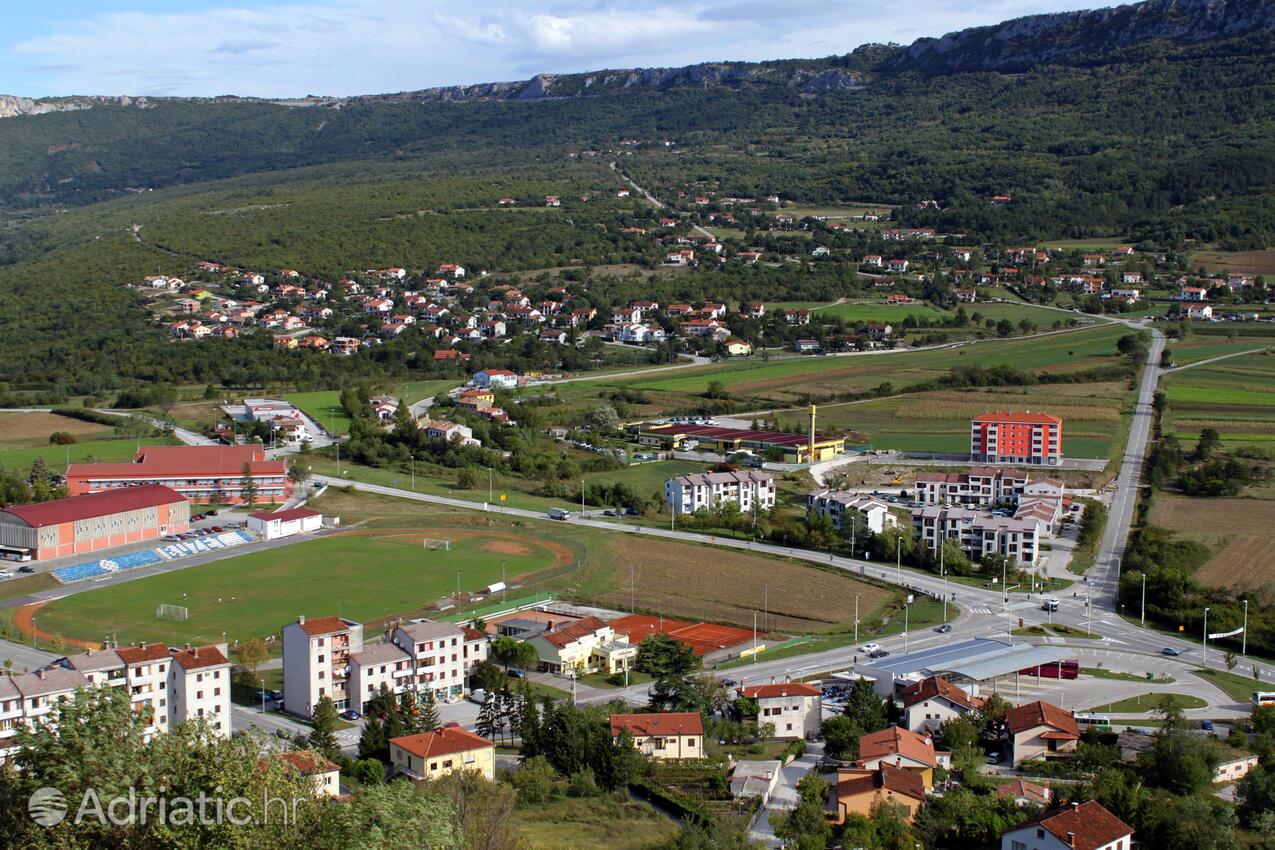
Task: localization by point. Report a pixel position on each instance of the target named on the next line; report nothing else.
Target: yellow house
(736, 347)
(430, 755)
(857, 791)
(585, 646)
(288, 342)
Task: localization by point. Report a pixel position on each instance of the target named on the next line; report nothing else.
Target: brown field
(1241, 262)
(953, 405)
(727, 586)
(1236, 530)
(33, 429)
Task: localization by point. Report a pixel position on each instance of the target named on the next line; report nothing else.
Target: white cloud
(368, 46)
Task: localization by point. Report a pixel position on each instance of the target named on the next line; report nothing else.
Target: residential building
(1023, 437)
(795, 709)
(1202, 312)
(431, 755)
(316, 662)
(199, 687)
(202, 474)
(1079, 826)
(933, 701)
(375, 667)
(859, 791)
(447, 432)
(664, 736)
(1025, 793)
(982, 486)
(752, 490)
(1040, 730)
(496, 379)
(902, 748)
(978, 533)
(323, 774)
(866, 512)
(585, 646)
(93, 521)
(436, 650)
(792, 448)
(736, 347)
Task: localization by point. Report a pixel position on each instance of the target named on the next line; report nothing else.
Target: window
(1040, 833)
(1017, 845)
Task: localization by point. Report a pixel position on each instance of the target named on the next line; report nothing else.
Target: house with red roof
(589, 645)
(1041, 730)
(902, 748)
(664, 736)
(795, 709)
(933, 701)
(1079, 826)
(860, 791)
(431, 755)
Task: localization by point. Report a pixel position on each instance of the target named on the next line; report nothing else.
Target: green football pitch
(363, 578)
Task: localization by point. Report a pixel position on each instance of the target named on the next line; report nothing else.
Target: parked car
(478, 695)
(993, 758)
(26, 568)
(350, 714)
(275, 694)
(1206, 725)
(1168, 650)
(210, 513)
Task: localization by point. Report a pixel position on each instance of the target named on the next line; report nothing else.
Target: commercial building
(795, 709)
(585, 646)
(978, 533)
(981, 486)
(86, 523)
(1041, 730)
(670, 735)
(431, 755)
(271, 526)
(202, 474)
(750, 489)
(868, 513)
(1026, 437)
(1079, 826)
(168, 686)
(316, 662)
(974, 661)
(791, 448)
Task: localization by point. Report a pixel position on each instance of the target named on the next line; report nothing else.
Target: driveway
(785, 794)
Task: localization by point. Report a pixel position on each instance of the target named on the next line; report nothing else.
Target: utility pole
(765, 607)
(413, 457)
(1244, 634)
(632, 587)
(856, 619)
(898, 558)
(1004, 592)
(1204, 659)
(504, 590)
(754, 637)
(906, 607)
(1144, 599)
(458, 582)
(581, 497)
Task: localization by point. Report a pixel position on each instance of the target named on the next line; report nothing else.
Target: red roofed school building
(1080, 826)
(1024, 437)
(79, 524)
(203, 474)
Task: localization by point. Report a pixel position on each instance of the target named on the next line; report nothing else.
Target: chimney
(811, 447)
(188, 646)
(40, 673)
(1071, 837)
(195, 652)
(301, 620)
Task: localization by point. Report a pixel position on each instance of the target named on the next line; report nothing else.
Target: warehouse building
(79, 524)
(202, 474)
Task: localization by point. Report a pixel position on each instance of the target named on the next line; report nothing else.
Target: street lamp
(1204, 657)
(906, 607)
(413, 458)
(1244, 633)
(856, 619)
(263, 696)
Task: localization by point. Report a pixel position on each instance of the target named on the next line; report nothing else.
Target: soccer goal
(172, 612)
(436, 543)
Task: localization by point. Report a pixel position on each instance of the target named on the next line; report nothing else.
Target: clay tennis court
(703, 638)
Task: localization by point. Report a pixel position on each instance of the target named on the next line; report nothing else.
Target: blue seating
(146, 557)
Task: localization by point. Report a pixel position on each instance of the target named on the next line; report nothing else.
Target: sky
(267, 48)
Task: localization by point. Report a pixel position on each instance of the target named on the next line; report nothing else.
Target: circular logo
(47, 806)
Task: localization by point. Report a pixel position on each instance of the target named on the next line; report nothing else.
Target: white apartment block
(751, 489)
(871, 513)
(381, 665)
(795, 709)
(170, 687)
(979, 486)
(316, 660)
(436, 651)
(978, 533)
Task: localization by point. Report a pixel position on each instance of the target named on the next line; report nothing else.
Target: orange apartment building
(1023, 437)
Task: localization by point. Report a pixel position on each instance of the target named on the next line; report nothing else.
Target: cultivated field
(728, 586)
(1240, 262)
(1236, 396)
(1236, 530)
(361, 577)
(33, 429)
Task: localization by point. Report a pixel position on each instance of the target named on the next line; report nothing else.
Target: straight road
(1212, 360)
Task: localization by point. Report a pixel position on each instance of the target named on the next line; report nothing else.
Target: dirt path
(24, 621)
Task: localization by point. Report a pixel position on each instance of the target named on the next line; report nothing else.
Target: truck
(559, 513)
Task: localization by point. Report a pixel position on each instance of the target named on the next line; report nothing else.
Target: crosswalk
(980, 609)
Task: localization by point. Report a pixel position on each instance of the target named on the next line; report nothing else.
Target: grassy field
(1147, 703)
(254, 595)
(33, 429)
(1092, 243)
(324, 407)
(593, 823)
(1100, 673)
(92, 451)
(645, 478)
(1240, 262)
(1238, 688)
(1236, 396)
(414, 391)
(792, 380)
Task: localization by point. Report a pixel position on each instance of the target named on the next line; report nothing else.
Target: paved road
(655, 202)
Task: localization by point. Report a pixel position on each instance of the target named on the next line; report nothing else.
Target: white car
(870, 647)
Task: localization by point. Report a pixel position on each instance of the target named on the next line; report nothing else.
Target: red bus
(1069, 669)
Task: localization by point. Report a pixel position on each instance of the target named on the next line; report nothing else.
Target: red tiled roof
(444, 742)
(1041, 713)
(887, 777)
(937, 686)
(95, 504)
(295, 513)
(667, 723)
(896, 740)
(572, 632)
(306, 762)
(200, 657)
(324, 626)
(786, 689)
(1025, 417)
(1089, 825)
(140, 654)
(472, 634)
(1017, 788)
(153, 461)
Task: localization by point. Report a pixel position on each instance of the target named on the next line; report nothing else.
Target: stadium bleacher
(146, 557)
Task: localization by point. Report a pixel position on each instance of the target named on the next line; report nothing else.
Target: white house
(1080, 826)
(795, 709)
(272, 526)
(872, 513)
(933, 701)
(751, 489)
(496, 379)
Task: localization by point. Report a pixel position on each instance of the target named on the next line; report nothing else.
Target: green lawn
(1100, 673)
(101, 451)
(255, 594)
(1220, 395)
(1147, 703)
(412, 392)
(593, 823)
(1056, 630)
(645, 478)
(324, 407)
(1238, 688)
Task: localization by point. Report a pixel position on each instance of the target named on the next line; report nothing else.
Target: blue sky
(283, 48)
